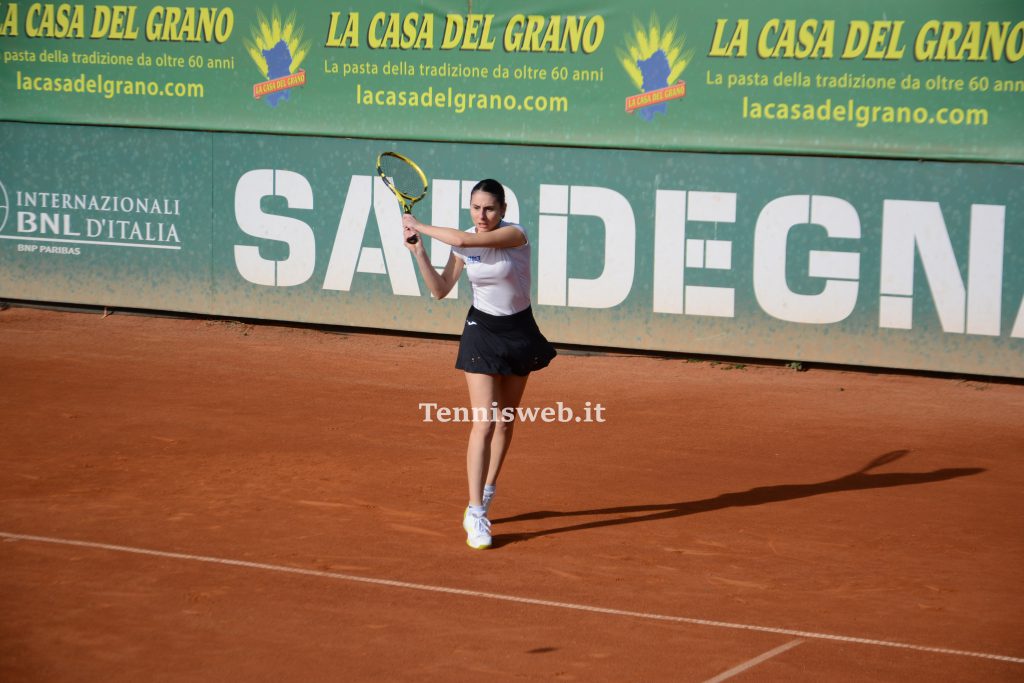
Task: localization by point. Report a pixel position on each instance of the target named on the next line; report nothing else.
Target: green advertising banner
(870, 262)
(96, 216)
(941, 79)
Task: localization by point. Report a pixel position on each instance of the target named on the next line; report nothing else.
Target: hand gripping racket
(405, 179)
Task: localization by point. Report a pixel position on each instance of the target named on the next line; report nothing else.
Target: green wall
(878, 262)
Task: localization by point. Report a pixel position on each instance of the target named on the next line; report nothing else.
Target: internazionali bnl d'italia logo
(654, 59)
(277, 49)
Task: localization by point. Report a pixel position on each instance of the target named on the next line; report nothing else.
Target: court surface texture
(189, 499)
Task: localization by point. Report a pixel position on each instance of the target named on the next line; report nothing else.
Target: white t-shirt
(500, 277)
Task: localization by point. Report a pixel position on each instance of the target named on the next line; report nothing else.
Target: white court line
(507, 598)
(751, 663)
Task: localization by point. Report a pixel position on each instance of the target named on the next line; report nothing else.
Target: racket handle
(415, 238)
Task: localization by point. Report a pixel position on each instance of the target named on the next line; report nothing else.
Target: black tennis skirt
(503, 344)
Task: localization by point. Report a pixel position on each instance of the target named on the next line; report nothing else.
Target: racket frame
(406, 201)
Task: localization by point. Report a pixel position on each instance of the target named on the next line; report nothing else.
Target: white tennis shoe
(478, 531)
(488, 497)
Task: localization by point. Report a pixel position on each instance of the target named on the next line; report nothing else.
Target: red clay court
(204, 500)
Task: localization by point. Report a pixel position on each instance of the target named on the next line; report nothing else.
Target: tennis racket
(405, 179)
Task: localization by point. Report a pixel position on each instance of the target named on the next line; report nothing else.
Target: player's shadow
(859, 480)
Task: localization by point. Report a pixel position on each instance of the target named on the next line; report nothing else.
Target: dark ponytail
(491, 187)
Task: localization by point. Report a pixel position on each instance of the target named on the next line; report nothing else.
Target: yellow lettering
(825, 43)
(421, 33)
(454, 27)
(946, 51)
(593, 35)
(856, 39)
(49, 21)
(573, 35)
(972, 42)
(206, 24)
(550, 42)
(950, 41)
(513, 38)
(350, 37)
(995, 39)
(1015, 43)
(478, 29)
(884, 40)
(114, 22)
(9, 27)
(786, 39)
(537, 33)
(737, 46)
(924, 45)
(805, 39)
(770, 27)
(411, 31)
(531, 39)
(391, 31)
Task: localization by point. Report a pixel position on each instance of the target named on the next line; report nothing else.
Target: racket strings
(403, 176)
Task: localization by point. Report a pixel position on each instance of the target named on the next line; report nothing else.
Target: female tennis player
(501, 344)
